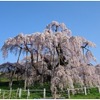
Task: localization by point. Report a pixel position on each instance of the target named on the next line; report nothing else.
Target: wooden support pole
(99, 89)
(20, 92)
(68, 93)
(10, 93)
(85, 92)
(28, 93)
(73, 91)
(44, 93)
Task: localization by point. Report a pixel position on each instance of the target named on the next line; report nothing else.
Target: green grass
(89, 96)
(4, 85)
(93, 94)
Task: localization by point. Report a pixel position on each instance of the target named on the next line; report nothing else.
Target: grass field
(93, 94)
(4, 85)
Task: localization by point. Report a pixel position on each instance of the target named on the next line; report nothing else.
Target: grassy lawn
(93, 94)
(89, 96)
(4, 85)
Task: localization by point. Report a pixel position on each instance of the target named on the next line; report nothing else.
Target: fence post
(28, 93)
(68, 93)
(85, 92)
(99, 89)
(20, 91)
(44, 93)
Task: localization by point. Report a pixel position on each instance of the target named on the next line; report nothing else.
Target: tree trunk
(61, 58)
(11, 81)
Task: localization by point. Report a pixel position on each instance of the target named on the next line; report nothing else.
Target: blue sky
(82, 18)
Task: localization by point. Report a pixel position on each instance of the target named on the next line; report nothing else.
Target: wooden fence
(18, 93)
(7, 94)
(84, 90)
